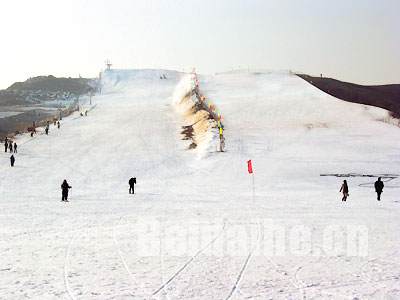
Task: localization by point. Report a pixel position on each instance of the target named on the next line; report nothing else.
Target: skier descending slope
(132, 182)
(345, 190)
(12, 160)
(379, 187)
(65, 187)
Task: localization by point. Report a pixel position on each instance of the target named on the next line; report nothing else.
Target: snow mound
(200, 126)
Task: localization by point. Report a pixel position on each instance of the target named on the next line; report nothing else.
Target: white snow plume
(200, 127)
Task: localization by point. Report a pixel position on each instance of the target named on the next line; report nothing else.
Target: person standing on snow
(47, 130)
(379, 188)
(11, 146)
(15, 147)
(58, 124)
(65, 187)
(5, 145)
(345, 190)
(132, 183)
(12, 159)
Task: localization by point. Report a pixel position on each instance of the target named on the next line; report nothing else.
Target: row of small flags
(216, 111)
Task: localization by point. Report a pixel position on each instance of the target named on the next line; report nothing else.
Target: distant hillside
(44, 88)
(383, 96)
(53, 84)
(38, 99)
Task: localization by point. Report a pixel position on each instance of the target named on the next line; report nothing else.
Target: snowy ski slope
(192, 230)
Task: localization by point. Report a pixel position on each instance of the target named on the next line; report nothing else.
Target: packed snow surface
(193, 229)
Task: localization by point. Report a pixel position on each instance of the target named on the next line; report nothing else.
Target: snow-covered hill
(193, 229)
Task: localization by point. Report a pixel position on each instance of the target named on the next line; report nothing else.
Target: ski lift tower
(108, 64)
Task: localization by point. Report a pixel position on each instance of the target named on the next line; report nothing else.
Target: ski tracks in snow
(245, 265)
(66, 282)
(186, 264)
(133, 278)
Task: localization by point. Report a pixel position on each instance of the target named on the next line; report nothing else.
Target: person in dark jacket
(15, 147)
(65, 187)
(10, 146)
(345, 190)
(12, 159)
(5, 146)
(132, 182)
(47, 130)
(379, 188)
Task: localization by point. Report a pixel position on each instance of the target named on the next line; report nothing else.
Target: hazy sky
(357, 41)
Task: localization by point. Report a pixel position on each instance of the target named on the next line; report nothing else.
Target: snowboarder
(15, 147)
(58, 124)
(132, 183)
(345, 190)
(379, 187)
(65, 187)
(12, 159)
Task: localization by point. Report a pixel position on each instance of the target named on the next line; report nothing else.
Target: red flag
(249, 167)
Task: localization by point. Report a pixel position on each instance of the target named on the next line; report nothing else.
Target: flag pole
(254, 192)
(250, 169)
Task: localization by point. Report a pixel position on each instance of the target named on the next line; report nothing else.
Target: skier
(132, 183)
(379, 187)
(58, 124)
(65, 187)
(345, 190)
(15, 147)
(12, 159)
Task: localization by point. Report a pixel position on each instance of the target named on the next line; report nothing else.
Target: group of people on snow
(8, 144)
(65, 188)
(378, 189)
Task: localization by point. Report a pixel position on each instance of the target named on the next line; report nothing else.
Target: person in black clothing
(132, 182)
(47, 130)
(15, 147)
(345, 190)
(12, 159)
(379, 188)
(10, 146)
(65, 187)
(5, 146)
